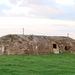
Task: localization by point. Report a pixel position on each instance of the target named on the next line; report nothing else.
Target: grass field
(51, 64)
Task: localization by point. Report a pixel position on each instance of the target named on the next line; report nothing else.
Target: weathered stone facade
(29, 44)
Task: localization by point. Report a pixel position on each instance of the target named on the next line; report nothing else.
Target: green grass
(51, 64)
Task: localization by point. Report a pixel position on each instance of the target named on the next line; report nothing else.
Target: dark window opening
(67, 47)
(54, 46)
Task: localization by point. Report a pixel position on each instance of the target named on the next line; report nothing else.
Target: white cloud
(10, 4)
(65, 2)
(6, 2)
(17, 11)
(3, 1)
(19, 2)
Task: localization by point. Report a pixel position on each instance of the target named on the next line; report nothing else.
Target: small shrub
(7, 37)
(31, 37)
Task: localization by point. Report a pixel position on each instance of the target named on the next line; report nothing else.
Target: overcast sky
(38, 17)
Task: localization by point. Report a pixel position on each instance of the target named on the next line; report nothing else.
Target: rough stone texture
(30, 44)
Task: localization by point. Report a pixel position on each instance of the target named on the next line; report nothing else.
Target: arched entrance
(55, 48)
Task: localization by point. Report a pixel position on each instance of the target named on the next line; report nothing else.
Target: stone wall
(29, 44)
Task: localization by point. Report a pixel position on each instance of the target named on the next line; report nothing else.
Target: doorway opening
(55, 49)
(54, 46)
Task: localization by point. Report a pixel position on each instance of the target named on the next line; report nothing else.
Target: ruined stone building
(30, 44)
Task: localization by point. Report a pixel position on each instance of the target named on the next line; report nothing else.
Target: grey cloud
(48, 9)
(56, 11)
(14, 1)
